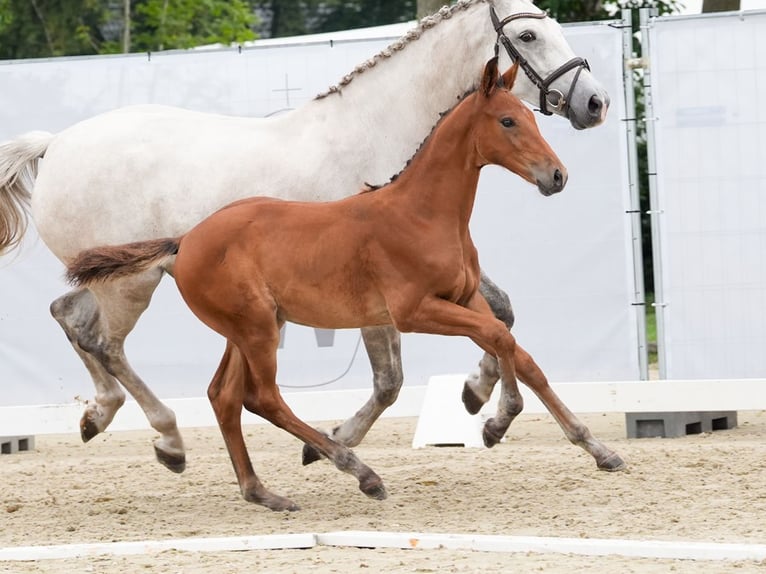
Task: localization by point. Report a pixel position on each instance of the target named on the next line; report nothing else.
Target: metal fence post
(639, 294)
(655, 210)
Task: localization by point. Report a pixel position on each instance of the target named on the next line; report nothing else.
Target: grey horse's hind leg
(76, 312)
(383, 346)
(478, 386)
(97, 321)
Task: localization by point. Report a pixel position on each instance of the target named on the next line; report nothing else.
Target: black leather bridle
(561, 103)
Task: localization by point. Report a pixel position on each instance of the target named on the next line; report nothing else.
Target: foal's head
(506, 133)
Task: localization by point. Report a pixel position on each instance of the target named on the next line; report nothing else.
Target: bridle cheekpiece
(560, 103)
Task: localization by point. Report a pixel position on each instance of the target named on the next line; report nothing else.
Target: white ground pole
(660, 549)
(440, 412)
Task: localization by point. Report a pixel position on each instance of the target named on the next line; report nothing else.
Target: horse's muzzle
(593, 115)
(553, 184)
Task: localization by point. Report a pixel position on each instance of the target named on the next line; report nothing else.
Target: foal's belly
(325, 311)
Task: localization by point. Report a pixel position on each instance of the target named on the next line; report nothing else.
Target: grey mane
(374, 187)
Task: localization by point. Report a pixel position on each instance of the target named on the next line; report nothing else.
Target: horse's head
(506, 133)
(554, 78)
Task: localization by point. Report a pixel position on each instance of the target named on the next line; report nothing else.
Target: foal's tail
(18, 169)
(104, 263)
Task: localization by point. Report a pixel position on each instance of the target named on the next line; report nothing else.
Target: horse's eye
(507, 122)
(527, 36)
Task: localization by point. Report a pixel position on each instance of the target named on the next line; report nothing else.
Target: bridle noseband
(562, 103)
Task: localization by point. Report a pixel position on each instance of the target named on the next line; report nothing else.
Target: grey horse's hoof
(88, 429)
(310, 454)
(491, 434)
(471, 400)
(173, 462)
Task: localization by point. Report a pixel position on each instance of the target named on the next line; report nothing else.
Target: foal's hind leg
(384, 351)
(256, 336)
(227, 395)
(262, 396)
(77, 312)
(478, 386)
(119, 305)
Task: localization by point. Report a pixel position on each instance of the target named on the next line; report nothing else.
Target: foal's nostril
(558, 178)
(594, 106)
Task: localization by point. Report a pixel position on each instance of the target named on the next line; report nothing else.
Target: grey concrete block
(675, 424)
(14, 444)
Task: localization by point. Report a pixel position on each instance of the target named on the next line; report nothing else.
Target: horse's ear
(490, 77)
(510, 75)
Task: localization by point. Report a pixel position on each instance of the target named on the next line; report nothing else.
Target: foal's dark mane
(372, 187)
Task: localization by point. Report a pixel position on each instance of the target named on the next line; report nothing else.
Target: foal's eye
(507, 122)
(527, 36)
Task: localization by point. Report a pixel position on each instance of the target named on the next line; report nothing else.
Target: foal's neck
(443, 176)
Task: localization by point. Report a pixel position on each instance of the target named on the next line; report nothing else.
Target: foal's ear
(490, 77)
(510, 75)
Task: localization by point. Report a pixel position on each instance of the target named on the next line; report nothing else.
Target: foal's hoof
(272, 501)
(491, 433)
(310, 454)
(612, 463)
(279, 504)
(375, 490)
(173, 462)
(88, 428)
(471, 400)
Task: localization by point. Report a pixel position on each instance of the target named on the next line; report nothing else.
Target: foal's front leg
(478, 386)
(532, 376)
(438, 316)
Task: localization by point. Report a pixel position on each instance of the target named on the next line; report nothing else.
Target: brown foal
(400, 255)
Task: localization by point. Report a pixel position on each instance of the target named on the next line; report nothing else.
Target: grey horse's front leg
(478, 386)
(383, 346)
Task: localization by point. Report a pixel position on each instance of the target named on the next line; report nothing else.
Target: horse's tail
(104, 263)
(18, 169)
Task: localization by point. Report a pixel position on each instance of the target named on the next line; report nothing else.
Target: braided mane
(425, 24)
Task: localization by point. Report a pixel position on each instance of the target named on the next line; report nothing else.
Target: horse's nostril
(558, 178)
(594, 106)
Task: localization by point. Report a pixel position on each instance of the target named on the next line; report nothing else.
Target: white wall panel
(708, 76)
(564, 260)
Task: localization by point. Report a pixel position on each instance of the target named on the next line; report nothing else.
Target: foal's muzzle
(553, 183)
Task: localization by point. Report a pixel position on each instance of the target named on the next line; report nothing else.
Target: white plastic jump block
(443, 419)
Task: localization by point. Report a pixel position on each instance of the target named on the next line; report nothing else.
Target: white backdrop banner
(708, 79)
(565, 260)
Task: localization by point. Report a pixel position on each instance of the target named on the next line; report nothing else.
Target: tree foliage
(163, 24)
(45, 28)
(39, 28)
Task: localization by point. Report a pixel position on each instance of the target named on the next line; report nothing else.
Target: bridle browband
(562, 103)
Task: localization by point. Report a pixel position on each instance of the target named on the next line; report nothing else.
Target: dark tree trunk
(720, 5)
